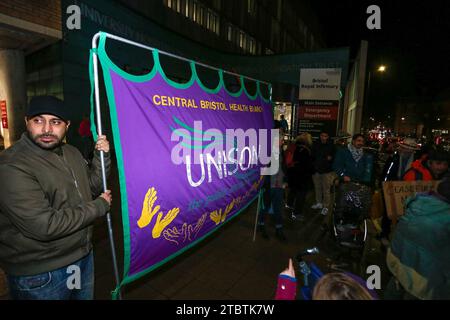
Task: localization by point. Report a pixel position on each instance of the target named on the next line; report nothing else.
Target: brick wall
(43, 12)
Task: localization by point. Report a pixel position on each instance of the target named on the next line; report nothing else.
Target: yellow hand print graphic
(148, 212)
(160, 225)
(218, 216)
(147, 208)
(227, 211)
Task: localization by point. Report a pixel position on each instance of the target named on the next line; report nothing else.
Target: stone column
(13, 90)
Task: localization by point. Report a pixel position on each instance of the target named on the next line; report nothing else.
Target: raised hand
(162, 223)
(216, 216)
(227, 211)
(102, 144)
(147, 208)
(290, 271)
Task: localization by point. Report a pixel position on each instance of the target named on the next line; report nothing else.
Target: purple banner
(189, 159)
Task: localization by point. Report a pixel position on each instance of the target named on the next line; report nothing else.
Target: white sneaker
(317, 206)
(324, 211)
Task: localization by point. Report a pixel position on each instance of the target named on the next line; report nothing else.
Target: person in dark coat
(300, 175)
(273, 197)
(49, 201)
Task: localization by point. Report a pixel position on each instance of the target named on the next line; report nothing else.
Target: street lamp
(381, 69)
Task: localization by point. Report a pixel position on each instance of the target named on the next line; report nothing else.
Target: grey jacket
(46, 207)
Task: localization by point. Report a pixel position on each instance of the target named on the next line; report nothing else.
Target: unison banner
(189, 158)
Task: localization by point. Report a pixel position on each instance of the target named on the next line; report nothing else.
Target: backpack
(289, 155)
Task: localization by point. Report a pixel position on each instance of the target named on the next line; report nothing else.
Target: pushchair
(351, 208)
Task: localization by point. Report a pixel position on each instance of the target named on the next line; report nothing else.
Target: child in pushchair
(352, 202)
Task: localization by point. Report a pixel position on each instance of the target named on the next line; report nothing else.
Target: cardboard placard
(396, 192)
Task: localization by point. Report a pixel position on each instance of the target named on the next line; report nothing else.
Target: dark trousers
(276, 202)
(296, 199)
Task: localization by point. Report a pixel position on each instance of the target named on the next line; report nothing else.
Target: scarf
(356, 153)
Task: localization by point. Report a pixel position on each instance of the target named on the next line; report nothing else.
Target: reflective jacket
(418, 172)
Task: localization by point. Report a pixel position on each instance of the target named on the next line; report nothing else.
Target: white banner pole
(102, 159)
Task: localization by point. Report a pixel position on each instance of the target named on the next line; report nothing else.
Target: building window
(186, 8)
(201, 12)
(252, 46)
(206, 20)
(173, 4)
(213, 22)
(197, 12)
(230, 32)
(194, 11)
(251, 7)
(177, 5)
(242, 40)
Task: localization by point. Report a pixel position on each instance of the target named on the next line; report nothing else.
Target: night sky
(414, 44)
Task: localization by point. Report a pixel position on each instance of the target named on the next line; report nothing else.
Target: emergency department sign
(319, 100)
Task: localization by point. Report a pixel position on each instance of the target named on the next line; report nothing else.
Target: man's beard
(54, 143)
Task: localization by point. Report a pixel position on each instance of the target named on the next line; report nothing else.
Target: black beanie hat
(438, 155)
(47, 105)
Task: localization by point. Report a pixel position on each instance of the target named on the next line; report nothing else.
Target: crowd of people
(419, 245)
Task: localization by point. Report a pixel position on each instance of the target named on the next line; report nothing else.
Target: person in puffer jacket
(419, 257)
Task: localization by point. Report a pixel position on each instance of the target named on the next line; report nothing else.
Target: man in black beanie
(48, 203)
